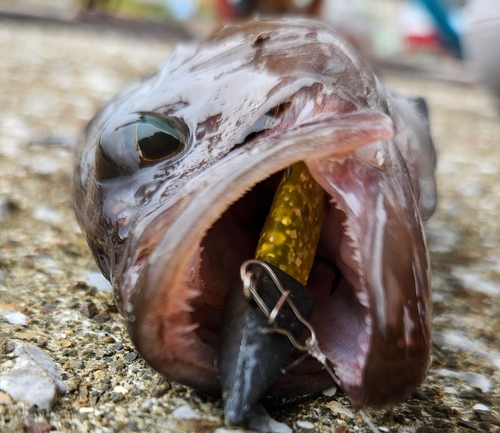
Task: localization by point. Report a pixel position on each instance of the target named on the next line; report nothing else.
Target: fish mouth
(173, 292)
(341, 323)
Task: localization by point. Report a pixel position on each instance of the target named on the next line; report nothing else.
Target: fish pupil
(155, 144)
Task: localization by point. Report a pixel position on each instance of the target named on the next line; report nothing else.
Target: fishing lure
(291, 233)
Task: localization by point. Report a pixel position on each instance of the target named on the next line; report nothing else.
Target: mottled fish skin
(249, 101)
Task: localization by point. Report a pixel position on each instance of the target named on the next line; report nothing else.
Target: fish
(174, 179)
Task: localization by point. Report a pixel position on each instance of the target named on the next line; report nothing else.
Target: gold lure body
(292, 229)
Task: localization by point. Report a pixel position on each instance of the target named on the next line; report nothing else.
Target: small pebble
(147, 404)
(118, 346)
(5, 399)
(97, 280)
(111, 308)
(16, 318)
(89, 309)
(7, 364)
(78, 364)
(33, 378)
(487, 417)
(86, 410)
(336, 407)
(279, 427)
(131, 356)
(73, 384)
(47, 215)
(450, 390)
(305, 424)
(31, 385)
(185, 412)
(117, 397)
(33, 426)
(426, 429)
(120, 389)
(330, 392)
(132, 425)
(474, 281)
(467, 424)
(481, 406)
(419, 394)
(475, 379)
(103, 316)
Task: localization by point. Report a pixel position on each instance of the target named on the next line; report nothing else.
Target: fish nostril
(279, 109)
(265, 123)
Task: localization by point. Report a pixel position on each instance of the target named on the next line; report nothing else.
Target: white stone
(16, 318)
(279, 427)
(330, 392)
(472, 280)
(120, 389)
(475, 379)
(31, 385)
(86, 410)
(33, 378)
(336, 407)
(97, 280)
(47, 215)
(305, 424)
(185, 412)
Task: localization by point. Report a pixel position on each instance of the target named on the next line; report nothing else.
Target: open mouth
(339, 319)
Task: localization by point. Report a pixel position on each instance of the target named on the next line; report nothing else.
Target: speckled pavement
(52, 80)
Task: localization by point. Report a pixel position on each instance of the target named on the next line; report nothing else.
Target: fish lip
(175, 259)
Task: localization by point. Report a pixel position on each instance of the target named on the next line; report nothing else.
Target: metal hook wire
(311, 344)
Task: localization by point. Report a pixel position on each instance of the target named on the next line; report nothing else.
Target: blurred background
(401, 33)
(386, 27)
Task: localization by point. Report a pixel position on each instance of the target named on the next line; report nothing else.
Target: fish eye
(140, 139)
(158, 138)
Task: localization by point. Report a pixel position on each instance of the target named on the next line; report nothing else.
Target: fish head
(175, 178)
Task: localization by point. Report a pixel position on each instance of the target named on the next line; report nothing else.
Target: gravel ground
(51, 82)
